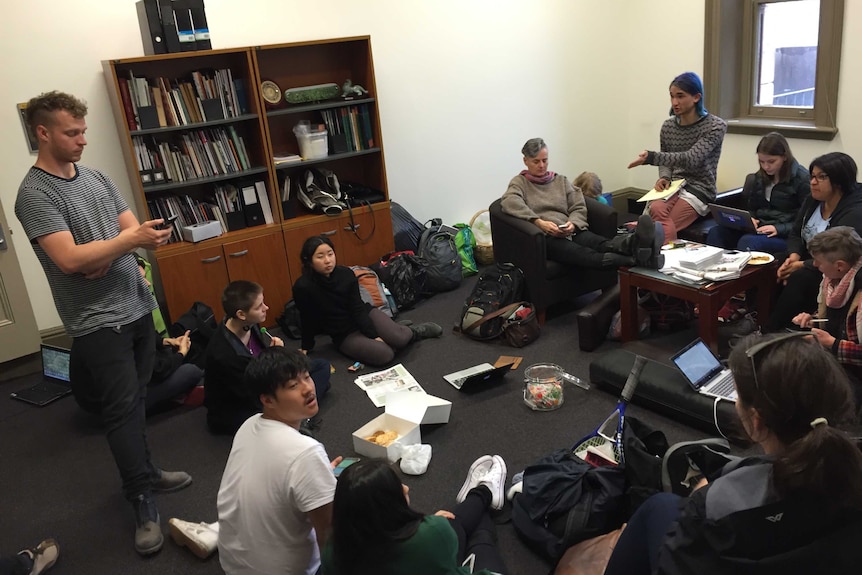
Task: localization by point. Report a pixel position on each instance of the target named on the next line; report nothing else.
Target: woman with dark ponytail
(795, 509)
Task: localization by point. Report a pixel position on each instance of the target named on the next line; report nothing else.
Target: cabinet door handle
(238, 254)
(329, 233)
(352, 228)
(210, 260)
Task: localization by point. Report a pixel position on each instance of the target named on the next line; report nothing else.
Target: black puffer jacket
(784, 202)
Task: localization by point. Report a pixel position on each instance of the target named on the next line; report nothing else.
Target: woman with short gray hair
(555, 206)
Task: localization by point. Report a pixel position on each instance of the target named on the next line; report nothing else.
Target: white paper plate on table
(760, 259)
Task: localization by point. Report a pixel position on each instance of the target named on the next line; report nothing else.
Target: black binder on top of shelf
(185, 31)
(152, 35)
(169, 26)
(251, 205)
(199, 25)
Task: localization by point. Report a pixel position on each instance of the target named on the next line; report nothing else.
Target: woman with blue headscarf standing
(690, 147)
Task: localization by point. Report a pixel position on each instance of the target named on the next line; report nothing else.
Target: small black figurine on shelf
(349, 90)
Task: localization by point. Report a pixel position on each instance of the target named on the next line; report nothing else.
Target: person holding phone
(691, 141)
(84, 236)
(375, 530)
(837, 254)
(238, 340)
(794, 510)
(550, 202)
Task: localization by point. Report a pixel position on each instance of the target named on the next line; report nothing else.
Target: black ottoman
(663, 389)
(594, 319)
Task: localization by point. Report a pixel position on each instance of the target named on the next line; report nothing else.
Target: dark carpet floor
(57, 477)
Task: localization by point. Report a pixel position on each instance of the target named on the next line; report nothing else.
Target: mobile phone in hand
(345, 463)
(167, 223)
(561, 226)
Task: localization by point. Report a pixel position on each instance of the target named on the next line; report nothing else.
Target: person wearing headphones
(238, 340)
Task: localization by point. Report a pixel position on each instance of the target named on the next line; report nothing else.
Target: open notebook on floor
(704, 372)
(55, 378)
(476, 376)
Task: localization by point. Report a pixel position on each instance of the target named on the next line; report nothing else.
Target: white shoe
(514, 490)
(495, 481)
(200, 538)
(475, 475)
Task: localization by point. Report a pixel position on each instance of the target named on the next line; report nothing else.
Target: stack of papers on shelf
(286, 159)
(655, 194)
(395, 379)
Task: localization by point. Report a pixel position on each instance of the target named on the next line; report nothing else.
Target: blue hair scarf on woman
(690, 83)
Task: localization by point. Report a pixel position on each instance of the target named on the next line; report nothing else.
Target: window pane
(787, 53)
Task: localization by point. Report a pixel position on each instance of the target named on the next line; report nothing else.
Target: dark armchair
(548, 283)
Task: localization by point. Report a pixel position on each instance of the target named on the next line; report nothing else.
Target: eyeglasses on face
(765, 343)
(821, 177)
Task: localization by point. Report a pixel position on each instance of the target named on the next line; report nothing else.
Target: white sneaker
(475, 475)
(200, 538)
(514, 490)
(495, 481)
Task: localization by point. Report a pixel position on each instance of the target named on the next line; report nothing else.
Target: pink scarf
(837, 293)
(541, 181)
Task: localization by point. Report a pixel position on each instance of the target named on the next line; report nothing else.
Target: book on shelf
(286, 159)
(263, 197)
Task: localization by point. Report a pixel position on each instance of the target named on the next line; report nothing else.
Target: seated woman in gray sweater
(556, 207)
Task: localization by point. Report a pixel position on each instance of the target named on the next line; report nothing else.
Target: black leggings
(362, 348)
(799, 295)
(476, 532)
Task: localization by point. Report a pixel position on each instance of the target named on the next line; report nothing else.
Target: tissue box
(408, 434)
(200, 232)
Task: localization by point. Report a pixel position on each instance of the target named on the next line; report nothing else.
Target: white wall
(461, 86)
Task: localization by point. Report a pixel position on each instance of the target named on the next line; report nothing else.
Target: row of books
(233, 207)
(353, 123)
(205, 96)
(194, 154)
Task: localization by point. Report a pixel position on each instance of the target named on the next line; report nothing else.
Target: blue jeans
(636, 552)
(109, 371)
(730, 239)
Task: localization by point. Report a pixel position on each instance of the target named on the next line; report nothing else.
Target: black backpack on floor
(405, 228)
(440, 255)
(404, 274)
(496, 288)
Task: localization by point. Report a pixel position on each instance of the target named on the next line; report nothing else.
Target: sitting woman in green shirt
(375, 531)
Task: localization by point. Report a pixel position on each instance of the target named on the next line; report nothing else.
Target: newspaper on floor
(378, 384)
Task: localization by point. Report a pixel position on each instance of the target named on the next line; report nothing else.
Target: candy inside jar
(543, 386)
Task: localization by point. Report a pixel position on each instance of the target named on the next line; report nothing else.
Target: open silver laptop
(704, 372)
(55, 378)
(484, 373)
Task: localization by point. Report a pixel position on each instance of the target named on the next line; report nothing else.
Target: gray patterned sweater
(691, 152)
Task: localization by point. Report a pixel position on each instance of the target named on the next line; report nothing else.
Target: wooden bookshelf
(234, 148)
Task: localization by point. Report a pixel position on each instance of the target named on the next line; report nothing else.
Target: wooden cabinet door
(262, 260)
(195, 276)
(294, 238)
(364, 247)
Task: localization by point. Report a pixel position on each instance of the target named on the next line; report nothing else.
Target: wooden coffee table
(709, 298)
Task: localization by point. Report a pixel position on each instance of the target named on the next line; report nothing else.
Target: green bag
(464, 243)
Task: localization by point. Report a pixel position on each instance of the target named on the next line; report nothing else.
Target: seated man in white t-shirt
(275, 499)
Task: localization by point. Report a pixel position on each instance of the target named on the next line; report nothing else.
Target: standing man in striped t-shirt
(84, 235)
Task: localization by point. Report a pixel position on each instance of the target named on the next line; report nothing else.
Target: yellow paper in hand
(655, 194)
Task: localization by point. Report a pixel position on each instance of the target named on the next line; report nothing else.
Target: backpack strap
(502, 311)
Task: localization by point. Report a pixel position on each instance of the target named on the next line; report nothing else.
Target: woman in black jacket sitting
(329, 302)
(796, 509)
(835, 201)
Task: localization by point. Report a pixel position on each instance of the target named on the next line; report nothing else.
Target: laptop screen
(55, 363)
(697, 363)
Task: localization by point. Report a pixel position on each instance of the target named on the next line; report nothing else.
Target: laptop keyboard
(723, 386)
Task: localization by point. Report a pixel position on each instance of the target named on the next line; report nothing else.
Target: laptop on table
(704, 372)
(732, 218)
(55, 378)
(477, 376)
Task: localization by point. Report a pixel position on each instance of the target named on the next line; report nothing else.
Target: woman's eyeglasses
(761, 345)
(821, 177)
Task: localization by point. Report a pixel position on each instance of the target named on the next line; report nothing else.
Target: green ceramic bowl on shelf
(306, 94)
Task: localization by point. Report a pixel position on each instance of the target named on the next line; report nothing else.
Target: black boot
(646, 243)
(426, 330)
